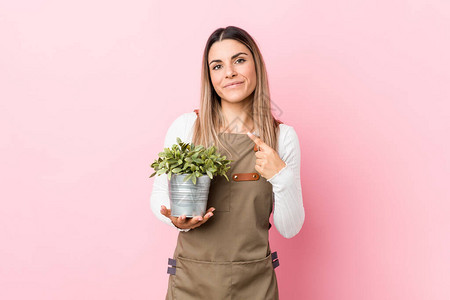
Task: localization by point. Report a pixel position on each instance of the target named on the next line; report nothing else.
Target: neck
(238, 116)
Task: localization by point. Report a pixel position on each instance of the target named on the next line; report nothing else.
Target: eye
(214, 68)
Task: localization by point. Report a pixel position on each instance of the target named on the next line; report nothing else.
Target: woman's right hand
(187, 223)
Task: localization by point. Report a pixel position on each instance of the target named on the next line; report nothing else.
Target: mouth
(234, 84)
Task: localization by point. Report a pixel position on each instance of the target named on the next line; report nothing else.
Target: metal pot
(187, 198)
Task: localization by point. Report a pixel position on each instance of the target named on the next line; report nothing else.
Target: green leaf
(199, 161)
(209, 174)
(188, 177)
(199, 147)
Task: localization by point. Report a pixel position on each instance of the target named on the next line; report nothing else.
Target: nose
(230, 71)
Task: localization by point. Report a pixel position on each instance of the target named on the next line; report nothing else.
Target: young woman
(225, 254)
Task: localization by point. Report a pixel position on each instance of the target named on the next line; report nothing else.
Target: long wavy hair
(210, 117)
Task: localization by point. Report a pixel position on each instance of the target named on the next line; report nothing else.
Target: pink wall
(87, 92)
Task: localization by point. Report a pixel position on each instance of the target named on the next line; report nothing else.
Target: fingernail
(213, 209)
(210, 215)
(199, 218)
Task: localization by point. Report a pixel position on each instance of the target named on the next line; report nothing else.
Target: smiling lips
(233, 84)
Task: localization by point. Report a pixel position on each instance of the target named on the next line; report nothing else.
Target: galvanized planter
(187, 198)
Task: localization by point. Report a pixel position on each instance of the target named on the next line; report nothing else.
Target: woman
(225, 254)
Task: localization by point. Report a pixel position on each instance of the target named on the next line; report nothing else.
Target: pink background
(89, 88)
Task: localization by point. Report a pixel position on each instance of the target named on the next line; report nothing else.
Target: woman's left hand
(268, 162)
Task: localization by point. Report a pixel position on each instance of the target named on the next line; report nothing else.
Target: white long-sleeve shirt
(288, 211)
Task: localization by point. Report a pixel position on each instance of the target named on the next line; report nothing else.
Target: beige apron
(229, 257)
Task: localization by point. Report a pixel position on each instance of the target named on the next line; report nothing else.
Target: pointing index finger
(256, 139)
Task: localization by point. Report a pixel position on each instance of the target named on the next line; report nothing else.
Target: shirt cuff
(282, 179)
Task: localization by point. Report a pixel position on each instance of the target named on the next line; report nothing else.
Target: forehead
(224, 49)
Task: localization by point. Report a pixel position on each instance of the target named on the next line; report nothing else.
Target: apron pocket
(196, 280)
(254, 279)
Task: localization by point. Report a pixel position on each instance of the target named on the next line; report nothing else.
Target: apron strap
(276, 263)
(274, 255)
(172, 262)
(171, 269)
(275, 260)
(245, 176)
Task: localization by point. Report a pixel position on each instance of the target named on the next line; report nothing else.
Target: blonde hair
(210, 117)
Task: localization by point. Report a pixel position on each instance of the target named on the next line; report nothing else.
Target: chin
(234, 99)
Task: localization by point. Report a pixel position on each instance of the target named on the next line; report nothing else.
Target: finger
(205, 219)
(164, 211)
(180, 221)
(257, 141)
(259, 162)
(207, 216)
(193, 221)
(211, 209)
(260, 154)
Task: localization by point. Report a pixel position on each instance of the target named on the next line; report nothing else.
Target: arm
(289, 213)
(160, 191)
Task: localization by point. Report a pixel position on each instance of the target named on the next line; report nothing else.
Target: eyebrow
(234, 56)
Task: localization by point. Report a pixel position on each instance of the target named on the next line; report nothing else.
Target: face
(230, 61)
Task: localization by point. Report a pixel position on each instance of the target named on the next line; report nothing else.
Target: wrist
(278, 172)
(179, 228)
